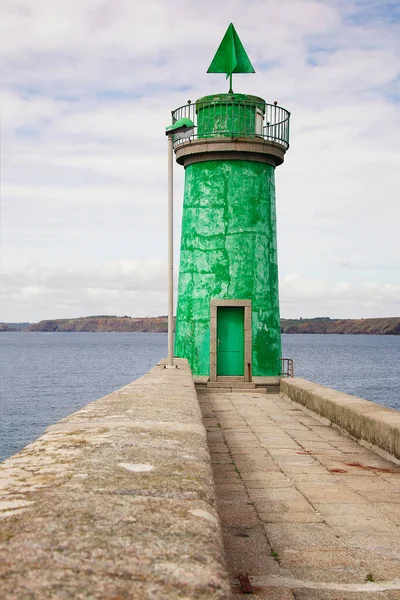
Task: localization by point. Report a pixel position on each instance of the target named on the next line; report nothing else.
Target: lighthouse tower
(227, 322)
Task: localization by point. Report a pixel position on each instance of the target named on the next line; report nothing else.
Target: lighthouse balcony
(234, 116)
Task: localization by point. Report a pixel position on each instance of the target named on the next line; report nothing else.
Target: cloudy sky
(86, 90)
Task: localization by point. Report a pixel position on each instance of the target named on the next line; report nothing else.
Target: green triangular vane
(231, 57)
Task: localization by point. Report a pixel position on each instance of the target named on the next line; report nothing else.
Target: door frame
(246, 304)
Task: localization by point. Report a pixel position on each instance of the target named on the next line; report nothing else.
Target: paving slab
(311, 514)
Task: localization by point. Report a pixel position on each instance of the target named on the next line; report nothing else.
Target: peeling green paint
(228, 250)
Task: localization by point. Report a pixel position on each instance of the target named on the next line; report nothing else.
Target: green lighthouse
(227, 322)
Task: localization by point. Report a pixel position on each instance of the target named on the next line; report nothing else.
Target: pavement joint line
(291, 582)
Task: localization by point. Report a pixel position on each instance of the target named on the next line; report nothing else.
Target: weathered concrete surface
(306, 512)
(116, 501)
(364, 420)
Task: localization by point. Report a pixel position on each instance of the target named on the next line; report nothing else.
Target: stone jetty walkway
(307, 513)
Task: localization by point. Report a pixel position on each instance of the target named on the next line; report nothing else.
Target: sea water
(45, 377)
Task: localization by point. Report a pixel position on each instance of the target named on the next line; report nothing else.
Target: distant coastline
(113, 323)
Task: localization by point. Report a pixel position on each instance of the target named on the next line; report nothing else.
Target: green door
(230, 340)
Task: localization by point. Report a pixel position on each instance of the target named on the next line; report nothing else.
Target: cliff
(383, 326)
(104, 323)
(14, 326)
(5, 327)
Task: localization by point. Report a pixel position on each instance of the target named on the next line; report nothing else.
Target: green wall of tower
(228, 251)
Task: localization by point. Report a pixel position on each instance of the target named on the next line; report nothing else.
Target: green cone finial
(231, 57)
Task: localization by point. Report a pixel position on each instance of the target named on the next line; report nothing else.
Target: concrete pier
(118, 500)
(307, 512)
(115, 502)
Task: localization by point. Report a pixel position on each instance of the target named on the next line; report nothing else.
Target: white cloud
(343, 299)
(85, 94)
(130, 287)
(138, 288)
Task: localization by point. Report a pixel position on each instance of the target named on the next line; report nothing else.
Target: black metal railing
(287, 367)
(238, 119)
